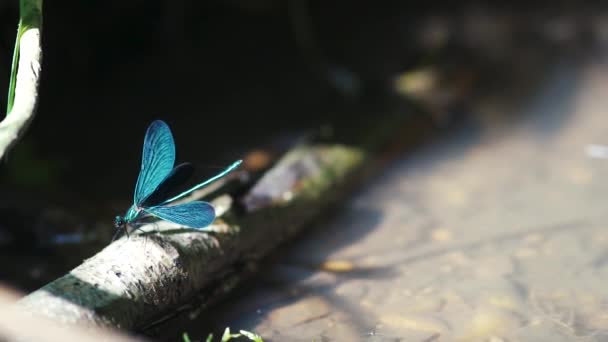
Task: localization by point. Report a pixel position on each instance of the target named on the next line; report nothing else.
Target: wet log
(136, 282)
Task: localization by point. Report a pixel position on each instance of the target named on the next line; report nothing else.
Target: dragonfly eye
(118, 222)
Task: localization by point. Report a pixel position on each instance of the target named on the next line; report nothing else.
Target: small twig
(23, 88)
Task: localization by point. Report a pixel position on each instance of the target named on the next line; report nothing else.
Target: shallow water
(495, 233)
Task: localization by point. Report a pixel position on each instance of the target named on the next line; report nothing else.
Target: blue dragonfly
(158, 177)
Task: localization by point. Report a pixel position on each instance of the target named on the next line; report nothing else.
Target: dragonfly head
(119, 222)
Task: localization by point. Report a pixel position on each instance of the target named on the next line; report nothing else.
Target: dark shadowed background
(226, 75)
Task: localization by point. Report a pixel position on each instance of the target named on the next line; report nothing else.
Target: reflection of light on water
(373, 333)
(597, 151)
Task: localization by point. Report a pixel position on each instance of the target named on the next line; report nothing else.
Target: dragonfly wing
(176, 178)
(208, 181)
(157, 160)
(195, 214)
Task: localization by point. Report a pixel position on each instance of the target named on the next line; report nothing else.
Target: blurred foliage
(26, 168)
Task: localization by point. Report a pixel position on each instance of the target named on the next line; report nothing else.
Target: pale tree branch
(19, 325)
(24, 87)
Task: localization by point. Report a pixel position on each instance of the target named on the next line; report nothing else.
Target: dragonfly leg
(137, 227)
(141, 230)
(115, 235)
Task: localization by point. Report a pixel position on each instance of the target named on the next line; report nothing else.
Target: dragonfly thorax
(132, 214)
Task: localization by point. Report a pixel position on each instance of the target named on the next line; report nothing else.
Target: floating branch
(138, 282)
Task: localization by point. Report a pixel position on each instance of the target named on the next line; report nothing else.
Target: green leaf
(186, 337)
(227, 336)
(251, 336)
(14, 65)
